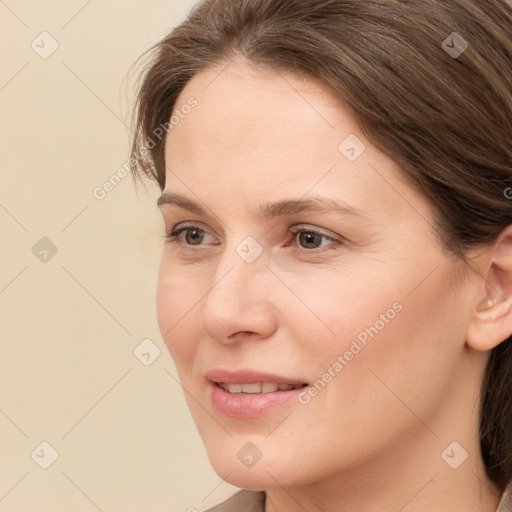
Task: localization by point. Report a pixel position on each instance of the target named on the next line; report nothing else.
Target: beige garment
(254, 501)
(242, 501)
(506, 500)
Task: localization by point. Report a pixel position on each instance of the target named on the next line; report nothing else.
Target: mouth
(257, 387)
(248, 394)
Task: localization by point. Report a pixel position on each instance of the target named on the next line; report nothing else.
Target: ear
(491, 322)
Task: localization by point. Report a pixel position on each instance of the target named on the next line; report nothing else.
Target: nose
(239, 303)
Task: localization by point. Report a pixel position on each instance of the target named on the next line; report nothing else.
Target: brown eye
(309, 239)
(194, 236)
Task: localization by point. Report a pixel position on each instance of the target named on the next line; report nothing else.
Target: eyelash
(173, 237)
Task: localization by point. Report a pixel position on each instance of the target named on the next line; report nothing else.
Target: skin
(372, 439)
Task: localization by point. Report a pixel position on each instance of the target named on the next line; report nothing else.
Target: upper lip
(248, 377)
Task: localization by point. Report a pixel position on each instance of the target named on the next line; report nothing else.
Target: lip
(248, 377)
(249, 405)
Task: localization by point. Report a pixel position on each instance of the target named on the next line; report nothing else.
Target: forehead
(238, 103)
(247, 115)
(238, 78)
(256, 132)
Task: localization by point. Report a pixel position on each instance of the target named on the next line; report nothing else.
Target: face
(301, 258)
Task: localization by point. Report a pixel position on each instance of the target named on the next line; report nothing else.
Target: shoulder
(242, 501)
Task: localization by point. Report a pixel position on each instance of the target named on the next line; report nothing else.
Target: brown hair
(444, 117)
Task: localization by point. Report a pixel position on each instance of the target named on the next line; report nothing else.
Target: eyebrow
(269, 209)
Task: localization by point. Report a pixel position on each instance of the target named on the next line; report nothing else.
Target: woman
(336, 286)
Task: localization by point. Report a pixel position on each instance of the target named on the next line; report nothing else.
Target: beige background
(70, 321)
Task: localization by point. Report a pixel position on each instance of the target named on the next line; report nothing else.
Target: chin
(267, 472)
(248, 480)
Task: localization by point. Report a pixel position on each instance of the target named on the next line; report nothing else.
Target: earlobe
(491, 322)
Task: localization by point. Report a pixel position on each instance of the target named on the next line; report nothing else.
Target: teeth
(249, 388)
(268, 387)
(258, 387)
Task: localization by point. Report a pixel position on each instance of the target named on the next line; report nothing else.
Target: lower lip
(250, 405)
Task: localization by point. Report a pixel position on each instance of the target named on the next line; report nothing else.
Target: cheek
(338, 307)
(176, 299)
(397, 316)
(395, 346)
